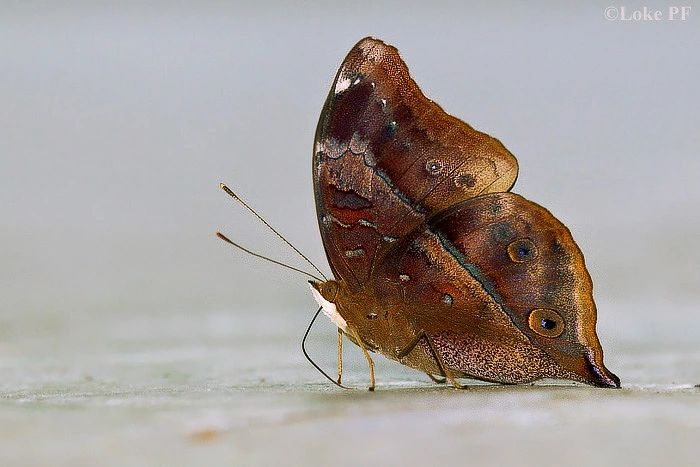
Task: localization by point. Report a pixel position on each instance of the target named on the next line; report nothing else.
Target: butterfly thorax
(381, 322)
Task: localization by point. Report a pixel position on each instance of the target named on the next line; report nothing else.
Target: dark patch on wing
(349, 199)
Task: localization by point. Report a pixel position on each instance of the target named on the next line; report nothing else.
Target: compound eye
(546, 322)
(329, 290)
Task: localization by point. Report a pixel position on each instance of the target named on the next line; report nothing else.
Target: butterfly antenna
(227, 240)
(235, 196)
(303, 349)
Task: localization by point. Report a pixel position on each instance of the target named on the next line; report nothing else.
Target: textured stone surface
(202, 389)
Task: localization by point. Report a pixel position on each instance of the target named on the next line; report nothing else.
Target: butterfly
(436, 264)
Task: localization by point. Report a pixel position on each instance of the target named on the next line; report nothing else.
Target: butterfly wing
(500, 286)
(422, 235)
(387, 158)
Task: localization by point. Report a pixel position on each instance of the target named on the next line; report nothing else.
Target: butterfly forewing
(387, 158)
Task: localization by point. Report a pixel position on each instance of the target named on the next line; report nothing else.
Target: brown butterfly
(437, 265)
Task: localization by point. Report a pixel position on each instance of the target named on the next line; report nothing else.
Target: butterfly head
(325, 294)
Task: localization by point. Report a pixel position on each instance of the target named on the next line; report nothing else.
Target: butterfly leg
(364, 350)
(436, 380)
(433, 348)
(340, 354)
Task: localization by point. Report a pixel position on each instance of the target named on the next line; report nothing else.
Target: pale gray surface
(130, 335)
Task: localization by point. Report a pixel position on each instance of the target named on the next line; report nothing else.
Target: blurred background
(119, 120)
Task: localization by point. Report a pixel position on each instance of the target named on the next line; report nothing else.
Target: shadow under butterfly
(436, 264)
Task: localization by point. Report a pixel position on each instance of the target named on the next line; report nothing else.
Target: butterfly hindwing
(473, 276)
